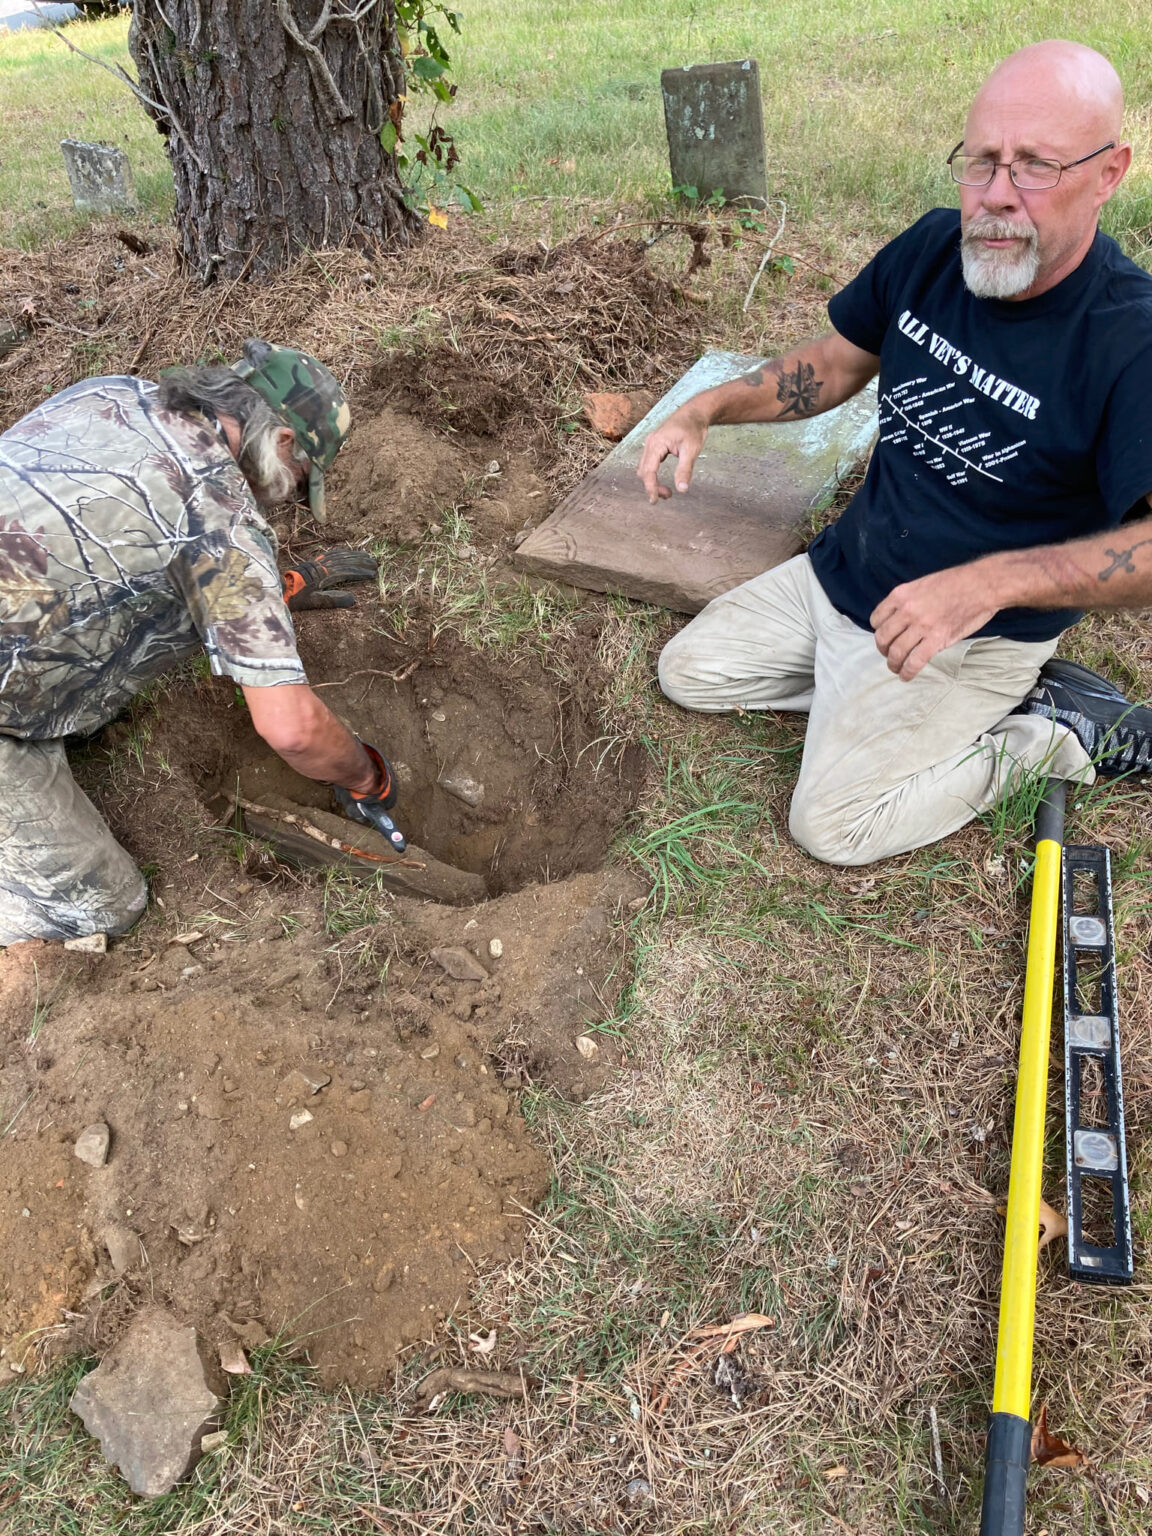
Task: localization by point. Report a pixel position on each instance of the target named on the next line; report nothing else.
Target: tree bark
(272, 112)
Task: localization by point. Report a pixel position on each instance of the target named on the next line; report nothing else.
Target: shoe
(1115, 733)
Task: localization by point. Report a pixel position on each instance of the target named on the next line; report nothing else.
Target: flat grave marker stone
(752, 489)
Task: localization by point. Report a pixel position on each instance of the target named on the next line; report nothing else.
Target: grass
(814, 1119)
(562, 102)
(48, 94)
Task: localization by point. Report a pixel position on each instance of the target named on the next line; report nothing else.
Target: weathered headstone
(151, 1400)
(715, 125)
(100, 177)
(752, 488)
(11, 335)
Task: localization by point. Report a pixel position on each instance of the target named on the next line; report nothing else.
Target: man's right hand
(372, 805)
(681, 436)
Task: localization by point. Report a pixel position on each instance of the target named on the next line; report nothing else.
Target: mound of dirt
(292, 1151)
(398, 475)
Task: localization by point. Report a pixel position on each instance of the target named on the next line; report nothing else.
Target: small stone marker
(151, 1401)
(751, 490)
(715, 124)
(100, 177)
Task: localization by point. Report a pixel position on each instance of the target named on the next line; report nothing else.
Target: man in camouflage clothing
(130, 538)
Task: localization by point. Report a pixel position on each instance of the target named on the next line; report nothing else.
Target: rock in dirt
(614, 416)
(587, 1047)
(415, 873)
(151, 1400)
(495, 948)
(123, 1247)
(92, 1144)
(300, 1084)
(233, 1359)
(464, 787)
(460, 963)
(89, 944)
(252, 1333)
(300, 1118)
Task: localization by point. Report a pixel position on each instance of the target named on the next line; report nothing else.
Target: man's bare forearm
(812, 378)
(1108, 570)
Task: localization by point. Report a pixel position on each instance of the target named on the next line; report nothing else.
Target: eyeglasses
(1029, 173)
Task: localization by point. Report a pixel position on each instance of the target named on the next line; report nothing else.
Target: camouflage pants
(62, 873)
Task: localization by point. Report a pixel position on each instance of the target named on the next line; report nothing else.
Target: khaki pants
(888, 766)
(62, 873)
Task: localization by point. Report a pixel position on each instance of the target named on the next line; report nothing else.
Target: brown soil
(360, 1230)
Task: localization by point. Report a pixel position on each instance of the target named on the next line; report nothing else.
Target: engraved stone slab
(715, 124)
(100, 177)
(751, 491)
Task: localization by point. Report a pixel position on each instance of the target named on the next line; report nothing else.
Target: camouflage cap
(307, 398)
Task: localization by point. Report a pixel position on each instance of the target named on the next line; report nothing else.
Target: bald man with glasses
(1013, 343)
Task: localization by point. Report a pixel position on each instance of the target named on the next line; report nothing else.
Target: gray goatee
(999, 274)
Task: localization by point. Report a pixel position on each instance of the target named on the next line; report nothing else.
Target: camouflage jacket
(129, 539)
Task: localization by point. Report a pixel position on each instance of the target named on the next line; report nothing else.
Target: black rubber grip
(1050, 813)
(1006, 1475)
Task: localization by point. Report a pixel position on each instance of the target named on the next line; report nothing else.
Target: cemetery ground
(799, 1102)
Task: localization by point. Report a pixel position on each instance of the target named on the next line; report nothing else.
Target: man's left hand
(307, 583)
(920, 618)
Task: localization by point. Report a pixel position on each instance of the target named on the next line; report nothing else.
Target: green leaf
(388, 137)
(467, 199)
(426, 68)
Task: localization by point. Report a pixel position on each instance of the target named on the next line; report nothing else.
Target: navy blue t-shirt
(1003, 424)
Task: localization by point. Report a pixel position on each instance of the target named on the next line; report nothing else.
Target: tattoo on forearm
(797, 389)
(1121, 560)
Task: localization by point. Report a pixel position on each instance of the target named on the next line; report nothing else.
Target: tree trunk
(272, 111)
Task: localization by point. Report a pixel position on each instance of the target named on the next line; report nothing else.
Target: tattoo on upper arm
(1121, 560)
(797, 389)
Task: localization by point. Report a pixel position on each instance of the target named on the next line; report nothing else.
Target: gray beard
(998, 274)
(269, 478)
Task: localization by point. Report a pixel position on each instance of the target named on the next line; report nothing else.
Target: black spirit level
(1099, 1217)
